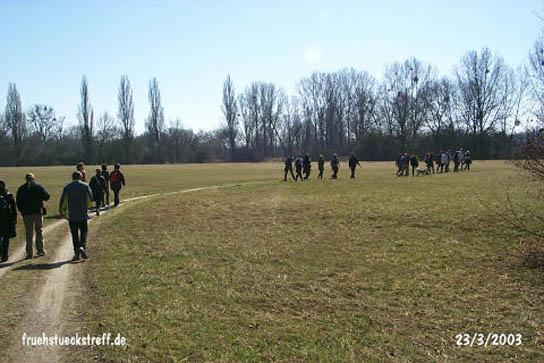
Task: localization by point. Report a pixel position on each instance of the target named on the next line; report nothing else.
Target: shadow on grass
(44, 266)
(8, 264)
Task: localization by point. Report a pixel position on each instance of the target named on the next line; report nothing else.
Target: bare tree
(105, 134)
(43, 121)
(126, 116)
(485, 90)
(14, 119)
(230, 111)
(155, 120)
(86, 121)
(439, 105)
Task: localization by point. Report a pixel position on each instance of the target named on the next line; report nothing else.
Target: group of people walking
(303, 167)
(461, 161)
(75, 201)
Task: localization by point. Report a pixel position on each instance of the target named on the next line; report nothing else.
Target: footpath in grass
(379, 268)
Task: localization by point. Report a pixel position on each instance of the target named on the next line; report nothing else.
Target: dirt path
(58, 294)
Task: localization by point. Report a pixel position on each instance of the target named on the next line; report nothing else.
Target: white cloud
(313, 54)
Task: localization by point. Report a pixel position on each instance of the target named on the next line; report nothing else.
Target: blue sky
(191, 46)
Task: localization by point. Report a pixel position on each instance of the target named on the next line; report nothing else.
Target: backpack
(5, 210)
(114, 176)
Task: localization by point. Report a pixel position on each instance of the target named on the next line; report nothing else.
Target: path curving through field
(60, 288)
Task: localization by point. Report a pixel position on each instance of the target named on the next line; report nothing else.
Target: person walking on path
(8, 220)
(414, 163)
(30, 198)
(81, 168)
(98, 185)
(106, 175)
(353, 163)
(73, 205)
(288, 168)
(335, 165)
(117, 181)
(321, 166)
(298, 167)
(307, 166)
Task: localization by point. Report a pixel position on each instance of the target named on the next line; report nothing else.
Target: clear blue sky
(191, 46)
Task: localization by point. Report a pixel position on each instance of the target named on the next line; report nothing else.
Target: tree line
(412, 108)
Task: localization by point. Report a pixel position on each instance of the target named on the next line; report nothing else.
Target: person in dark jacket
(30, 198)
(335, 165)
(468, 160)
(321, 166)
(117, 181)
(414, 163)
(398, 163)
(106, 175)
(288, 168)
(8, 220)
(73, 205)
(307, 166)
(298, 167)
(429, 163)
(455, 161)
(98, 185)
(353, 163)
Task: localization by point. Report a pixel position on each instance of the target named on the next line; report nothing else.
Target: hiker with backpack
(98, 185)
(117, 181)
(353, 163)
(73, 205)
(106, 175)
(298, 167)
(30, 198)
(8, 220)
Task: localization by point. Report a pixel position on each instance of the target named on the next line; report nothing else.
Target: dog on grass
(422, 172)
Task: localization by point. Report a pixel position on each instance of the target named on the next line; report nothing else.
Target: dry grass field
(378, 268)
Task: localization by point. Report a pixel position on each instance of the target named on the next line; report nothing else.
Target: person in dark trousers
(98, 186)
(30, 198)
(414, 163)
(81, 168)
(288, 168)
(444, 160)
(335, 165)
(321, 166)
(438, 159)
(455, 161)
(8, 220)
(306, 166)
(117, 181)
(468, 160)
(398, 163)
(405, 166)
(106, 175)
(353, 163)
(429, 163)
(448, 158)
(298, 167)
(73, 205)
